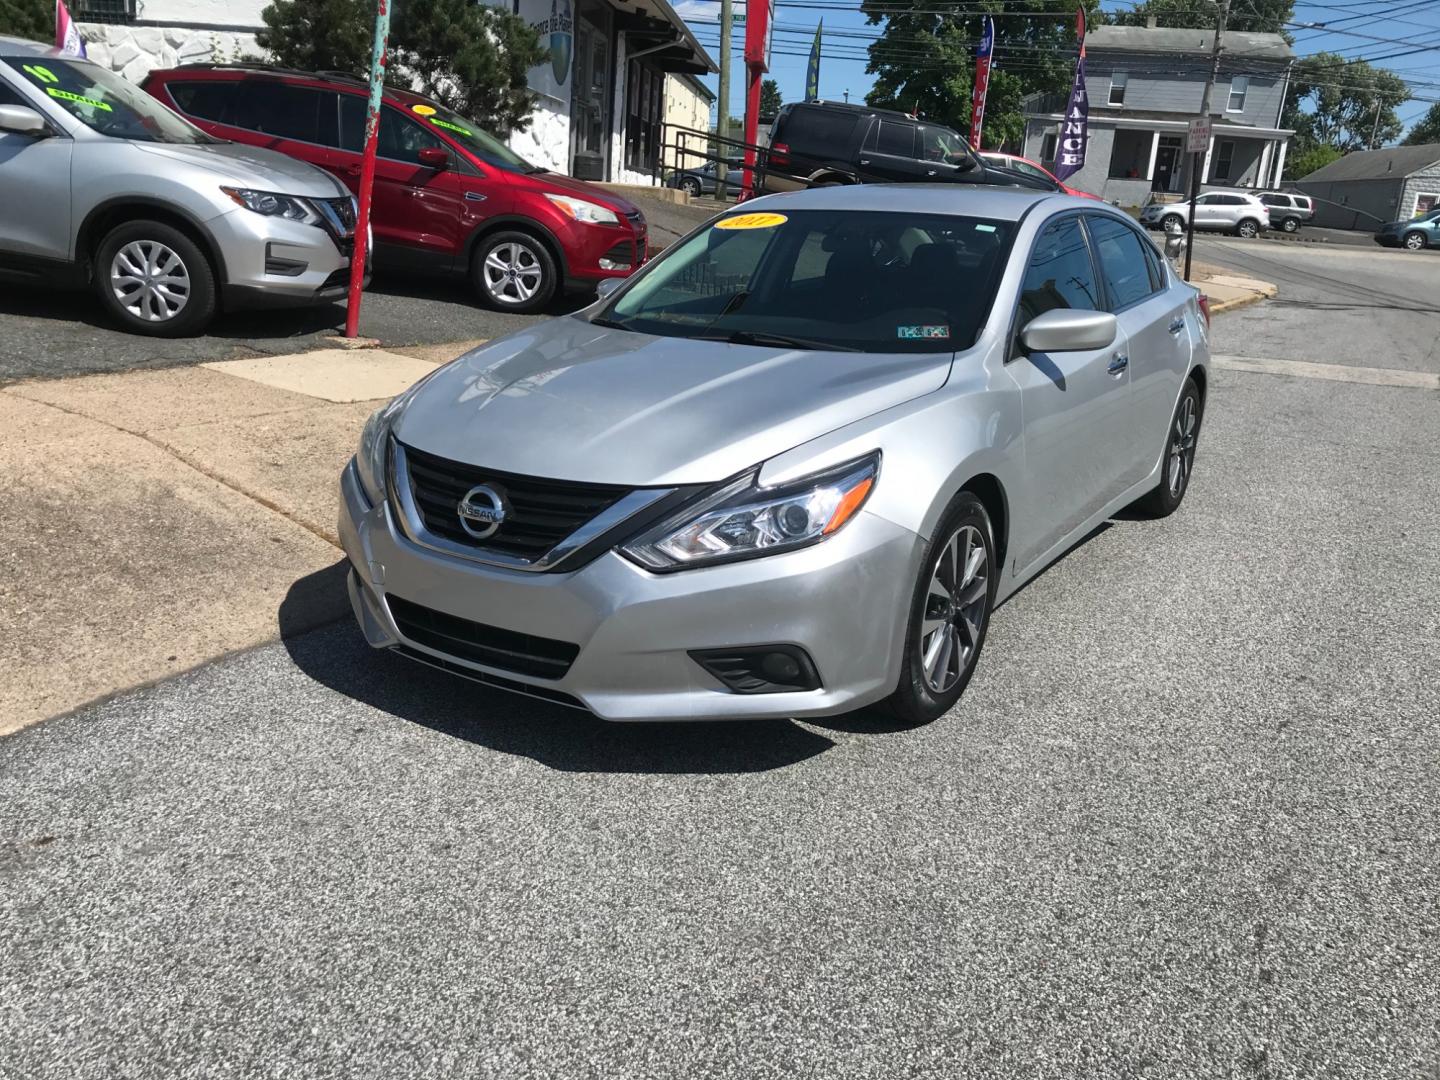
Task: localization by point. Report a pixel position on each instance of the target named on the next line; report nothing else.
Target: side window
(1060, 274)
(287, 112)
(11, 97)
(1207, 200)
(213, 100)
(896, 139)
(1122, 261)
(401, 139)
(940, 144)
(816, 132)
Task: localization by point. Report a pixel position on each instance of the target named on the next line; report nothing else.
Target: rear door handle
(1178, 324)
(1118, 364)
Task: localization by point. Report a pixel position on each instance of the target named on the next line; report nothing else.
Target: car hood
(251, 166)
(572, 401)
(557, 182)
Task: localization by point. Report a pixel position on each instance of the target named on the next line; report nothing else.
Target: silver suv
(1226, 211)
(105, 187)
(1288, 211)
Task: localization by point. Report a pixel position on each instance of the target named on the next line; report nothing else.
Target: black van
(825, 142)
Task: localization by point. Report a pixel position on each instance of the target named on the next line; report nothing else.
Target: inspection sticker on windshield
(751, 221)
(423, 110)
(922, 333)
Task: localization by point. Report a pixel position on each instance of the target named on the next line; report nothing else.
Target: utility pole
(1375, 127)
(1195, 165)
(722, 118)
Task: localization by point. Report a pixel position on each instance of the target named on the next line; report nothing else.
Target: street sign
(1199, 140)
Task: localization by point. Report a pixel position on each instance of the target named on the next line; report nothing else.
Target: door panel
(35, 174)
(1073, 403)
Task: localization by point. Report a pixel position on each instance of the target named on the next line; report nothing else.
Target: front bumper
(844, 602)
(272, 261)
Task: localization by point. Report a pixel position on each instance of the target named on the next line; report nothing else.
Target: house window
(1425, 203)
(1224, 159)
(1239, 87)
(1047, 146)
(105, 11)
(1118, 81)
(644, 103)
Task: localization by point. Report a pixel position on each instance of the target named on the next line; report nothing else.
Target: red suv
(447, 195)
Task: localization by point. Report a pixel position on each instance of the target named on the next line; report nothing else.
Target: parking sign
(1199, 140)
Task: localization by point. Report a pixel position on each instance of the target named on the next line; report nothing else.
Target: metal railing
(686, 145)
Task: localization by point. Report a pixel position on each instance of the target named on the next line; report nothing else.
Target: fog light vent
(760, 669)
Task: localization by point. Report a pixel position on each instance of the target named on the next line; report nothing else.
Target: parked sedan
(1416, 234)
(701, 180)
(1225, 211)
(791, 467)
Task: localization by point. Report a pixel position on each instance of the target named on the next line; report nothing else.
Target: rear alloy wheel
(949, 614)
(154, 279)
(1415, 241)
(1249, 229)
(1290, 225)
(1173, 223)
(1179, 461)
(512, 271)
(690, 186)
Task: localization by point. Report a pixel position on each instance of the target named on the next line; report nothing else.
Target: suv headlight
(743, 520)
(588, 212)
(273, 204)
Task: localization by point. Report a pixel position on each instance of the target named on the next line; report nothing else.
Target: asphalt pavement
(1182, 824)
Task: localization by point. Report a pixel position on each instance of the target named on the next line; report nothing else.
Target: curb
(1240, 302)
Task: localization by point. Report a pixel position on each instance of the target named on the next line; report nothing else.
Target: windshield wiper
(761, 337)
(609, 324)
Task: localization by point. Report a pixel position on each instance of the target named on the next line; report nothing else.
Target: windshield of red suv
(864, 281)
(105, 102)
(470, 135)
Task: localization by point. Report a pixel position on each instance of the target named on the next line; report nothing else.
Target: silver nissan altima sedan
(789, 468)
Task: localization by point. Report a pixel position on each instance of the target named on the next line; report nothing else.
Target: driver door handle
(1178, 324)
(1118, 364)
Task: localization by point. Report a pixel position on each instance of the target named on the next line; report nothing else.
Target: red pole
(752, 129)
(367, 166)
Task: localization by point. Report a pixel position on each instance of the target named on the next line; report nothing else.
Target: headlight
(274, 205)
(742, 520)
(370, 458)
(588, 212)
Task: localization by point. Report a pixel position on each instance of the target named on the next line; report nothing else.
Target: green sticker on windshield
(451, 127)
(38, 71)
(922, 333)
(65, 95)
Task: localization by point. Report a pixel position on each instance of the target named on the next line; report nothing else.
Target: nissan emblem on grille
(481, 510)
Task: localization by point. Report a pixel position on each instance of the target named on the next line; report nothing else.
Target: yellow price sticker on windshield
(751, 221)
(423, 110)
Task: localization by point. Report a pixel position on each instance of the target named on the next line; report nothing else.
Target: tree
(473, 58)
(770, 99)
(1426, 129)
(925, 61)
(1307, 161)
(1342, 103)
(1260, 17)
(33, 19)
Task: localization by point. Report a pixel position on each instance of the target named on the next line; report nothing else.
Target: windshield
(105, 102)
(470, 135)
(870, 281)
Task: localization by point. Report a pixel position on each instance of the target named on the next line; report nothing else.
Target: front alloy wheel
(1173, 223)
(1415, 241)
(1248, 229)
(515, 272)
(154, 279)
(1290, 225)
(150, 281)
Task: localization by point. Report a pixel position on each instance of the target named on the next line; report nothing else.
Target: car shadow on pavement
(336, 656)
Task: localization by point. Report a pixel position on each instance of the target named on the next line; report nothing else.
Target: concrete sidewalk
(1228, 290)
(161, 518)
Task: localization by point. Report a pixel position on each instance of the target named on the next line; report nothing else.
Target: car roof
(341, 79)
(13, 46)
(984, 201)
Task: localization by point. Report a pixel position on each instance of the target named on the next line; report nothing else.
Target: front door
(1075, 405)
(35, 174)
(1167, 165)
(590, 101)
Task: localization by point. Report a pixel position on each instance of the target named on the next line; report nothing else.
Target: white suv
(1225, 211)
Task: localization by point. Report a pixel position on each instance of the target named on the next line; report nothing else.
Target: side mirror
(1070, 330)
(607, 286)
(432, 157)
(22, 120)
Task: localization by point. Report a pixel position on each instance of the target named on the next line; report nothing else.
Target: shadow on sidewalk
(336, 656)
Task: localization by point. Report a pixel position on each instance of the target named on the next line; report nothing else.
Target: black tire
(1290, 225)
(1165, 498)
(179, 271)
(1415, 241)
(1249, 228)
(1172, 223)
(915, 700)
(690, 186)
(534, 268)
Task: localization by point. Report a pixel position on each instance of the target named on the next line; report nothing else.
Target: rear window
(1275, 200)
(824, 279)
(287, 112)
(817, 132)
(212, 100)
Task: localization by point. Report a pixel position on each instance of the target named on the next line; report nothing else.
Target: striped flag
(67, 34)
(982, 82)
(812, 69)
(1074, 130)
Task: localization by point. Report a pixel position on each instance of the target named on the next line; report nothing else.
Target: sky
(1351, 27)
